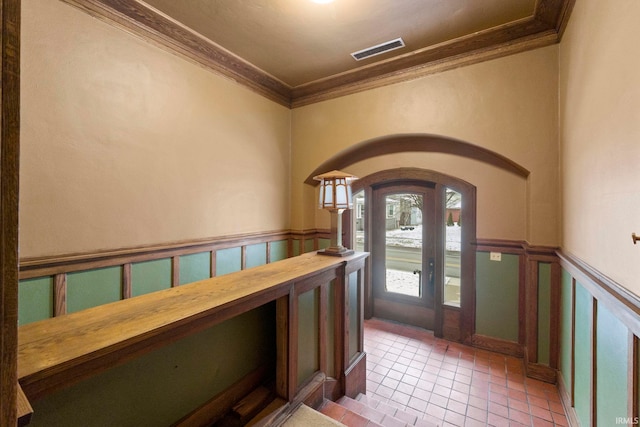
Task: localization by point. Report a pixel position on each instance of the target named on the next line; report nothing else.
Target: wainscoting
(52, 286)
(598, 354)
(151, 359)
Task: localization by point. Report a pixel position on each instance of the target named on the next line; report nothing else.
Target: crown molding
(544, 28)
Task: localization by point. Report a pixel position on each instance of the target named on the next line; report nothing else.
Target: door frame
(453, 323)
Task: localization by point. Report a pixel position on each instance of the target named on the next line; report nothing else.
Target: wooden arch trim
(415, 143)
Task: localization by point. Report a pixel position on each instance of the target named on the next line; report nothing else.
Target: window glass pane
(404, 232)
(453, 226)
(358, 226)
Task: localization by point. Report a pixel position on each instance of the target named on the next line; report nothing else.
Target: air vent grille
(378, 49)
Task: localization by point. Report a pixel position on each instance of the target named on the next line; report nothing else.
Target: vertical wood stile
(292, 351)
(532, 311)
(60, 294)
(340, 327)
(268, 254)
(9, 178)
(126, 281)
(212, 273)
(522, 300)
(593, 396)
(243, 257)
(573, 342)
(554, 339)
(322, 326)
(175, 271)
(282, 347)
(632, 377)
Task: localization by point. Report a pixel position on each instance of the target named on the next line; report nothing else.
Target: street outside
(404, 257)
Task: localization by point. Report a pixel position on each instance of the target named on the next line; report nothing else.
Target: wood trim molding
(137, 18)
(214, 409)
(498, 345)
(425, 143)
(541, 372)
(567, 401)
(48, 266)
(617, 298)
(10, 14)
(494, 43)
(545, 27)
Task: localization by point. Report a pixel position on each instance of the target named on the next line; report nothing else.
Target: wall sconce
(634, 238)
(335, 196)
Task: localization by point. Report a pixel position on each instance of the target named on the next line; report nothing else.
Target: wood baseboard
(510, 348)
(567, 401)
(541, 372)
(355, 380)
(220, 404)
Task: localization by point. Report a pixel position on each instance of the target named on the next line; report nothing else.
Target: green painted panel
(308, 245)
(497, 285)
(612, 346)
(354, 319)
(279, 250)
(150, 276)
(35, 300)
(582, 380)
(566, 321)
(91, 288)
(324, 243)
(160, 387)
(195, 267)
(544, 312)
(308, 362)
(256, 255)
(228, 261)
(296, 247)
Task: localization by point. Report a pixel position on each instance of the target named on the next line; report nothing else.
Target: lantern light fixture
(335, 196)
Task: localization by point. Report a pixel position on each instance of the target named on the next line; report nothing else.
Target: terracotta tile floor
(450, 384)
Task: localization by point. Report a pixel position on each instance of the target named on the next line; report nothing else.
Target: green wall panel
(195, 267)
(544, 312)
(35, 300)
(150, 276)
(497, 296)
(256, 255)
(159, 388)
(308, 245)
(279, 250)
(612, 346)
(228, 261)
(296, 247)
(582, 355)
(308, 349)
(91, 288)
(324, 243)
(566, 320)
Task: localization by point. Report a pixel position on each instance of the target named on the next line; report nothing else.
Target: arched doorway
(419, 226)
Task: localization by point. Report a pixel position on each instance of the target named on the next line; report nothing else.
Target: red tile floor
(449, 384)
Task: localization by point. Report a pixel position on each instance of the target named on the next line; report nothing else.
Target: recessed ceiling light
(322, 1)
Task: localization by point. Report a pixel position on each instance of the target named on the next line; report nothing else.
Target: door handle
(419, 273)
(431, 276)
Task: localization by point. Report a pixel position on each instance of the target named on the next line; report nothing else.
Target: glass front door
(403, 254)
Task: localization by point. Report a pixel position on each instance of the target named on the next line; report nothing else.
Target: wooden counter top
(62, 350)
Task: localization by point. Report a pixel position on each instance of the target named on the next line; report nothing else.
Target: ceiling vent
(378, 49)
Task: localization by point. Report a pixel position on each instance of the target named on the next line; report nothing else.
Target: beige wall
(508, 105)
(600, 138)
(124, 144)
